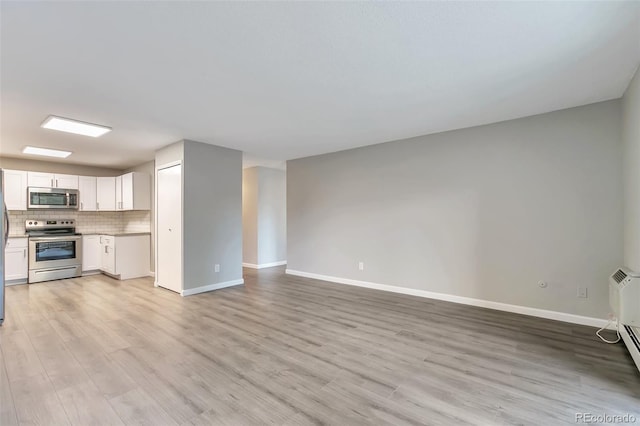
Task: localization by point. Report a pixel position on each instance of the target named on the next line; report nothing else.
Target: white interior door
(169, 238)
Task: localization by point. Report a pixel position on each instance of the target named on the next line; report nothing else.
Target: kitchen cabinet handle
(97, 206)
(81, 205)
(52, 182)
(24, 253)
(6, 227)
(105, 249)
(56, 183)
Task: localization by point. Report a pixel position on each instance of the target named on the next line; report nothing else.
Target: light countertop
(17, 236)
(113, 234)
(117, 234)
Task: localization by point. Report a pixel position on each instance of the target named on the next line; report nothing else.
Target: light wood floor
(289, 350)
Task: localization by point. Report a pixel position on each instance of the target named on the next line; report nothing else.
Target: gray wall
(631, 137)
(55, 167)
(212, 214)
(484, 212)
(272, 215)
(250, 215)
(170, 154)
(264, 216)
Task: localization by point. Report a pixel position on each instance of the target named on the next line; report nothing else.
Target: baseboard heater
(631, 337)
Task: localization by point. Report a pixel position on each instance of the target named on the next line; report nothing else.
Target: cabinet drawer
(17, 243)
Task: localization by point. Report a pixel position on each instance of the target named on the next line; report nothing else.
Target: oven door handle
(42, 239)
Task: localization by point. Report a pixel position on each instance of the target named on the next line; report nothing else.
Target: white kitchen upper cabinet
(106, 193)
(16, 260)
(133, 191)
(52, 180)
(15, 189)
(66, 181)
(87, 187)
(41, 180)
(119, 193)
(91, 256)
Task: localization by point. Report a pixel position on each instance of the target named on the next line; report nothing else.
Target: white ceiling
(287, 80)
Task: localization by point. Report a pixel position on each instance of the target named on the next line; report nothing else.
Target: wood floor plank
(21, 359)
(85, 405)
(286, 350)
(136, 407)
(37, 403)
(8, 414)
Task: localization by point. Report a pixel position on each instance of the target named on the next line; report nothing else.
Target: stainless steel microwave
(52, 198)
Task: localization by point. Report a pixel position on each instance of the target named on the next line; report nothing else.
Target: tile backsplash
(87, 222)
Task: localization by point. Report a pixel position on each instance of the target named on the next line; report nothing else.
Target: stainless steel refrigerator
(4, 233)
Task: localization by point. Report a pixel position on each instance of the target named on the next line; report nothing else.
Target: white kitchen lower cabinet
(16, 261)
(125, 256)
(91, 258)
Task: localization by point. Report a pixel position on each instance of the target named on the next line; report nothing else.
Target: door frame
(156, 256)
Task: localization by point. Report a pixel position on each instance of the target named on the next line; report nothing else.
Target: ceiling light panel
(32, 150)
(74, 126)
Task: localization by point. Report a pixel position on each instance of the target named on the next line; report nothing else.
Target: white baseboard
(264, 265)
(525, 310)
(152, 274)
(210, 287)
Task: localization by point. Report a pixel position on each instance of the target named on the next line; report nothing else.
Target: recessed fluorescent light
(74, 126)
(46, 152)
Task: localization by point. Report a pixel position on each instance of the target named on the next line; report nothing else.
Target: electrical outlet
(361, 266)
(216, 268)
(582, 292)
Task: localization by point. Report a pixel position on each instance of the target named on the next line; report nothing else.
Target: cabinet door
(107, 254)
(106, 193)
(127, 191)
(15, 189)
(16, 259)
(42, 180)
(88, 195)
(91, 253)
(119, 193)
(66, 181)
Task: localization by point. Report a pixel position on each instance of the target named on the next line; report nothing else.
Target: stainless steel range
(55, 249)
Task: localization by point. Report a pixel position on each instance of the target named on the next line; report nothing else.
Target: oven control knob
(30, 223)
(35, 223)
